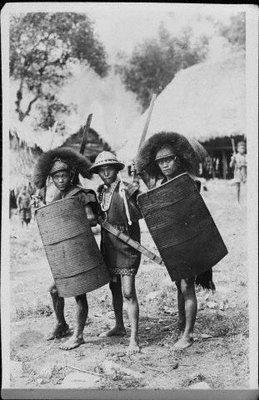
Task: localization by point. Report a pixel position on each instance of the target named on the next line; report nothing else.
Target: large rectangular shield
(182, 227)
(75, 260)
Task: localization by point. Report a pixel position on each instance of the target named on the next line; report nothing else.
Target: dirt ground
(218, 358)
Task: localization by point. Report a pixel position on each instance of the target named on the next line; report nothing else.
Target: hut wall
(94, 144)
(220, 151)
(22, 159)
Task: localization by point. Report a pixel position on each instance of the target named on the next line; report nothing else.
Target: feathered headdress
(189, 153)
(74, 160)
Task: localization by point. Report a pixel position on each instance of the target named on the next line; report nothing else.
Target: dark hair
(187, 159)
(68, 155)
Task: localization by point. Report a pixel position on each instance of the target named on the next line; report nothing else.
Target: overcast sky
(121, 26)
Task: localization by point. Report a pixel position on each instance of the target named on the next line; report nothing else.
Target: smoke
(114, 109)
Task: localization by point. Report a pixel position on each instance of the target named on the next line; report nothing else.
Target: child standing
(239, 163)
(121, 260)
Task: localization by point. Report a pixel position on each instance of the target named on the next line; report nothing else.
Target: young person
(163, 157)
(60, 164)
(24, 206)
(121, 260)
(239, 163)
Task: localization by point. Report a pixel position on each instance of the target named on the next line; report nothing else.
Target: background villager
(24, 206)
(37, 200)
(239, 163)
(163, 157)
(61, 164)
(31, 189)
(12, 202)
(121, 260)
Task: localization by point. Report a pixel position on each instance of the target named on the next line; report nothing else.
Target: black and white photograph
(129, 259)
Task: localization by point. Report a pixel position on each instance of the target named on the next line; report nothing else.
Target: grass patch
(220, 324)
(41, 310)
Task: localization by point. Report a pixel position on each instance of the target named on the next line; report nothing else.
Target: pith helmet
(106, 158)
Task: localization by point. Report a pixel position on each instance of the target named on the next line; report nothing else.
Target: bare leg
(181, 308)
(238, 191)
(81, 316)
(61, 329)
(129, 293)
(188, 291)
(117, 302)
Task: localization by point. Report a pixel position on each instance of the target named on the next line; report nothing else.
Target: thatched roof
(95, 144)
(204, 101)
(22, 158)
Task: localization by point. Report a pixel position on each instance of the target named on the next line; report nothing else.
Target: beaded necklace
(106, 195)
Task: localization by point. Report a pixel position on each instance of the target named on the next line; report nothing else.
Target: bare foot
(116, 331)
(59, 332)
(133, 348)
(72, 343)
(183, 343)
(180, 332)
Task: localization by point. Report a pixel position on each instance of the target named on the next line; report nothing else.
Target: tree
(42, 48)
(154, 63)
(235, 32)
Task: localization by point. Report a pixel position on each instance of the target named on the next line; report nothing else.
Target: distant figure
(31, 190)
(12, 202)
(36, 201)
(217, 162)
(239, 163)
(24, 206)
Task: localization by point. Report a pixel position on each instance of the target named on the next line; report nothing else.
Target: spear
(85, 133)
(143, 136)
(52, 131)
(86, 129)
(144, 133)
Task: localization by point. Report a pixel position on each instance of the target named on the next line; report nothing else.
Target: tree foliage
(154, 63)
(235, 32)
(42, 48)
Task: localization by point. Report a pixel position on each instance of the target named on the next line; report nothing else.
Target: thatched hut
(22, 158)
(206, 101)
(94, 145)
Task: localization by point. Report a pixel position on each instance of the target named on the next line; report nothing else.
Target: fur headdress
(189, 159)
(72, 158)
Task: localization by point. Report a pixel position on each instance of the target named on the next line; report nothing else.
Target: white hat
(106, 158)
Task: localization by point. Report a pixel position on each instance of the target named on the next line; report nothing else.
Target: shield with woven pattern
(75, 261)
(182, 227)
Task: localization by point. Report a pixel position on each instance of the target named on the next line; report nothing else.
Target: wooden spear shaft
(83, 144)
(85, 133)
(144, 133)
(53, 131)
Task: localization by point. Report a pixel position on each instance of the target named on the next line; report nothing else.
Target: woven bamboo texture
(182, 227)
(75, 260)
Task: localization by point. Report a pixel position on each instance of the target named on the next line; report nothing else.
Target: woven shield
(75, 260)
(182, 227)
